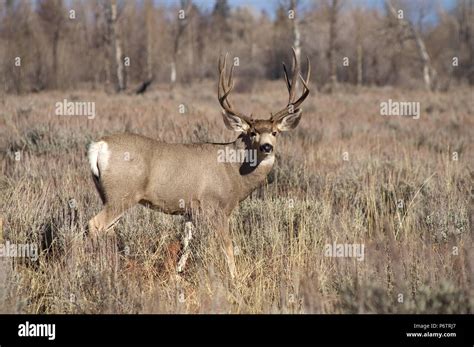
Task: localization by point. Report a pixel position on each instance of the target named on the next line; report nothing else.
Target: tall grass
(400, 193)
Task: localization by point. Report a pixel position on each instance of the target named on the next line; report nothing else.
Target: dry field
(345, 175)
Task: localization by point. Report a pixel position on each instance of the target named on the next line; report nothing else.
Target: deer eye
(274, 133)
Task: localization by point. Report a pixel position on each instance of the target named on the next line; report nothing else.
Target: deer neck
(253, 172)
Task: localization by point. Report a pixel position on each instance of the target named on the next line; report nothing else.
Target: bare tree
(181, 24)
(149, 42)
(52, 14)
(114, 29)
(331, 53)
(381, 46)
(295, 29)
(464, 19)
(429, 72)
(149, 17)
(359, 18)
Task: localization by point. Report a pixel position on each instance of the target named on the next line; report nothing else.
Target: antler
(225, 87)
(293, 105)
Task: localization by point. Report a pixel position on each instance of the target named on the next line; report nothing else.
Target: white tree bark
(149, 41)
(173, 72)
(181, 26)
(429, 72)
(118, 47)
(296, 30)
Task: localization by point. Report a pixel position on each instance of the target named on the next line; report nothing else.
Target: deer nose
(266, 148)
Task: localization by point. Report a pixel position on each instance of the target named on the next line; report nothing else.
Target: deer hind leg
(105, 220)
(101, 235)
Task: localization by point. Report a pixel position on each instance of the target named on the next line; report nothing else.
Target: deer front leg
(228, 248)
(188, 235)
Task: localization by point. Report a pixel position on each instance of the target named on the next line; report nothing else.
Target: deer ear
(289, 122)
(233, 122)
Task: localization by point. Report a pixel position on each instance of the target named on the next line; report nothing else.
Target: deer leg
(102, 237)
(188, 235)
(223, 230)
(105, 220)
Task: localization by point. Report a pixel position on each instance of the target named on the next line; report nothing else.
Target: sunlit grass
(418, 253)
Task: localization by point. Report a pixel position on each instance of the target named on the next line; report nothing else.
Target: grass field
(402, 187)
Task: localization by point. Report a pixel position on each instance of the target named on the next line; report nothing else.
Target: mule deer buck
(189, 179)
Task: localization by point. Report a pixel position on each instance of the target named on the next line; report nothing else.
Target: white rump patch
(98, 155)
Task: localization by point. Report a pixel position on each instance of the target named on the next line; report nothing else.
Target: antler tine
(298, 102)
(222, 70)
(308, 74)
(292, 88)
(230, 85)
(220, 67)
(287, 80)
(230, 82)
(294, 77)
(225, 87)
(224, 93)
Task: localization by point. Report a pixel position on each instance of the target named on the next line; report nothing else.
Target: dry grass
(279, 232)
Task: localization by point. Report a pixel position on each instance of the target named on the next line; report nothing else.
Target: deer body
(172, 178)
(130, 169)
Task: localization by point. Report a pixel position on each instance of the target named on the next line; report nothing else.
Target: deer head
(261, 134)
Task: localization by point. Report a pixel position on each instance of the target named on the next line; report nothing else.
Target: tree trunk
(296, 31)
(55, 59)
(149, 41)
(118, 47)
(429, 72)
(359, 63)
(173, 72)
(358, 19)
(332, 43)
(181, 25)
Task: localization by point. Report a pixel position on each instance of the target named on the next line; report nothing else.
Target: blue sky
(271, 5)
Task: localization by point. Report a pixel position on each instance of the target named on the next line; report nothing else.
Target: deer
(188, 179)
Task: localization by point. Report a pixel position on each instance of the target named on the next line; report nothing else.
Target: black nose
(266, 148)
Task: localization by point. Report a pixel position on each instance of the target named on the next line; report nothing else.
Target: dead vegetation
(421, 248)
